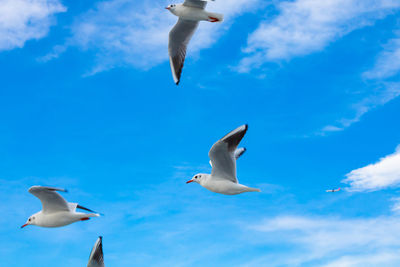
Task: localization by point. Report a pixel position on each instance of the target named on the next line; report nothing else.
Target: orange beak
(24, 225)
(189, 181)
(167, 8)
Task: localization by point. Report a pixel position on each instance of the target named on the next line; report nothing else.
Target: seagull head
(170, 7)
(31, 220)
(197, 178)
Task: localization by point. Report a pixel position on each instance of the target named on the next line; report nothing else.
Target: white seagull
(96, 255)
(189, 13)
(333, 190)
(56, 211)
(223, 155)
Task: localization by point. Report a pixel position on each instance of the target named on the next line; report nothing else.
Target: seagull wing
(51, 200)
(96, 258)
(179, 38)
(222, 154)
(195, 3)
(239, 152)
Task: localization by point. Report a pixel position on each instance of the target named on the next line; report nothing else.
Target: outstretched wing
(222, 154)
(96, 258)
(179, 38)
(51, 200)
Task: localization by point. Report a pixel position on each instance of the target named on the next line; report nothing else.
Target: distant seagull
(333, 190)
(96, 258)
(189, 13)
(56, 211)
(223, 155)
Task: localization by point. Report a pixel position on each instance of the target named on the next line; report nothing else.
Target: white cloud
(388, 62)
(396, 205)
(123, 32)
(380, 175)
(306, 26)
(23, 20)
(317, 241)
(390, 258)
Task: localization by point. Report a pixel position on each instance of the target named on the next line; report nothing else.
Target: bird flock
(57, 212)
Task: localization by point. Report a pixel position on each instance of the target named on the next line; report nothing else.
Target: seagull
(189, 13)
(56, 210)
(96, 255)
(223, 155)
(333, 190)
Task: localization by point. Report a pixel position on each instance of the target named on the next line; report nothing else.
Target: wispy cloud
(126, 33)
(306, 26)
(396, 205)
(380, 175)
(379, 97)
(384, 76)
(23, 20)
(332, 241)
(388, 61)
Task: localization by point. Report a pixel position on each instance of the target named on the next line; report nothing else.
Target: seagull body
(223, 155)
(56, 210)
(222, 186)
(96, 258)
(189, 13)
(194, 13)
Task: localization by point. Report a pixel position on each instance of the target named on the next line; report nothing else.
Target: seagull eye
(29, 219)
(195, 176)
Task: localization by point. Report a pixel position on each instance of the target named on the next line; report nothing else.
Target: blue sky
(87, 102)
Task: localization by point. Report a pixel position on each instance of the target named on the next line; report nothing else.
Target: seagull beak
(190, 181)
(167, 8)
(24, 225)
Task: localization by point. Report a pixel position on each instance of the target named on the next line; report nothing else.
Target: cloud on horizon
(329, 241)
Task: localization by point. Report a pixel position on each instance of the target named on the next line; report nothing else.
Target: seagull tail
(250, 189)
(93, 214)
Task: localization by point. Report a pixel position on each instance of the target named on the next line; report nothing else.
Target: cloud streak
(23, 20)
(379, 97)
(332, 241)
(388, 61)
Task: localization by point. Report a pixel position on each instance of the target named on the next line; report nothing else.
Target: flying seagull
(333, 190)
(56, 211)
(223, 155)
(189, 13)
(96, 258)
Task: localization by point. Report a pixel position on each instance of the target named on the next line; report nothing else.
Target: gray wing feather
(51, 200)
(195, 3)
(179, 38)
(96, 258)
(222, 154)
